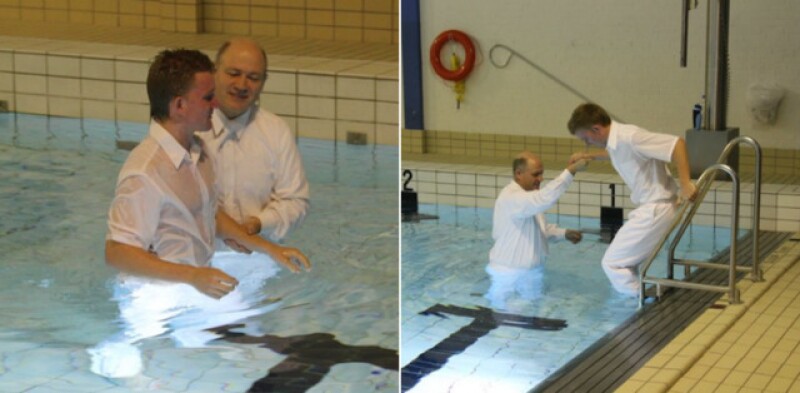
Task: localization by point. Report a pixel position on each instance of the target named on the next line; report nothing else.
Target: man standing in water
(164, 217)
(640, 157)
(261, 179)
(520, 231)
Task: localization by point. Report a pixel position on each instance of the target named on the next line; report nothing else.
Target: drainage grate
(608, 363)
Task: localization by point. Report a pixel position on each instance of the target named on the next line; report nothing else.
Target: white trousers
(633, 244)
(149, 309)
(527, 283)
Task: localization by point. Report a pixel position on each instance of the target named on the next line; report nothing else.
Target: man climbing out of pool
(163, 220)
(261, 179)
(521, 232)
(640, 157)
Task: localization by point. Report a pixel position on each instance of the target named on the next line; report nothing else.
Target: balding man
(260, 172)
(521, 232)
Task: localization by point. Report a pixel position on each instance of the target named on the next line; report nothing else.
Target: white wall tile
(788, 225)
(316, 85)
(426, 187)
(590, 199)
(485, 202)
(33, 84)
(387, 112)
(30, 63)
(132, 92)
(324, 108)
(788, 213)
(316, 128)
(95, 89)
(387, 135)
(65, 107)
(465, 178)
(445, 189)
(131, 71)
(6, 81)
(281, 82)
(465, 201)
(64, 87)
(360, 88)
(355, 110)
(64, 65)
(425, 176)
(487, 180)
(768, 225)
(445, 177)
(29, 103)
(445, 199)
(133, 112)
(571, 210)
(97, 68)
(387, 90)
(789, 201)
(486, 192)
(427, 198)
(94, 109)
(6, 61)
(280, 104)
(465, 189)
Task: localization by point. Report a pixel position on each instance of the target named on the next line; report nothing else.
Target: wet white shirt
(165, 200)
(259, 170)
(519, 228)
(641, 157)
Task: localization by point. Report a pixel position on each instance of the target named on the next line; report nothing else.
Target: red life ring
(436, 50)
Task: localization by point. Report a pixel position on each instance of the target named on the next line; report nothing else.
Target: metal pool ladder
(684, 218)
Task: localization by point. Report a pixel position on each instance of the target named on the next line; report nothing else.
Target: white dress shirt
(641, 157)
(165, 200)
(519, 229)
(259, 170)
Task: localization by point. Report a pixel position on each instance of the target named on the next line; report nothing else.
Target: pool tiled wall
(478, 186)
(497, 149)
(319, 98)
(339, 20)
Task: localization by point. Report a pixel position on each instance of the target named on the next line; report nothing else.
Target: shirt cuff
(270, 219)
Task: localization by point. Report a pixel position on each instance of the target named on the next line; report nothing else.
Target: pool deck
(747, 347)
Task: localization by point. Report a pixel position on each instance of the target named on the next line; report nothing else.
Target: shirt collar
(611, 143)
(225, 128)
(176, 153)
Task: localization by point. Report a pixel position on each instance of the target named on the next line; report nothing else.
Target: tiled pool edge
(478, 185)
(665, 369)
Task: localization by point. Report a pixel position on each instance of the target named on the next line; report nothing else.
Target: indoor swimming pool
(331, 330)
(481, 350)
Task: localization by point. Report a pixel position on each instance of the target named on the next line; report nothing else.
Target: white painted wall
(622, 54)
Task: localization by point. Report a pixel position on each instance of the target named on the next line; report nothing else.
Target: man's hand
(580, 156)
(252, 225)
(212, 282)
(235, 246)
(292, 259)
(574, 236)
(577, 166)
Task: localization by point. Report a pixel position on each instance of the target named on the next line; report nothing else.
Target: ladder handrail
(704, 184)
(756, 273)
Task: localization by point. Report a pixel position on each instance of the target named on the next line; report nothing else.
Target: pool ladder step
(683, 218)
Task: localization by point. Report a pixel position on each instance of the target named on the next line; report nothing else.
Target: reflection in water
(150, 309)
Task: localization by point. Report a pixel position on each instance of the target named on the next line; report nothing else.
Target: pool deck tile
(752, 346)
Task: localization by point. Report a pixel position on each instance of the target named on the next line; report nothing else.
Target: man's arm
(138, 262)
(291, 258)
(600, 155)
(680, 157)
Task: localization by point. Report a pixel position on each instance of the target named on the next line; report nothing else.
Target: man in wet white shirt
(163, 220)
(261, 177)
(521, 232)
(640, 157)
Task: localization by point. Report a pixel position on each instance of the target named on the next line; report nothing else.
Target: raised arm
(600, 155)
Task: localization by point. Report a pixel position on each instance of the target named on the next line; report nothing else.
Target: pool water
(444, 262)
(57, 183)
